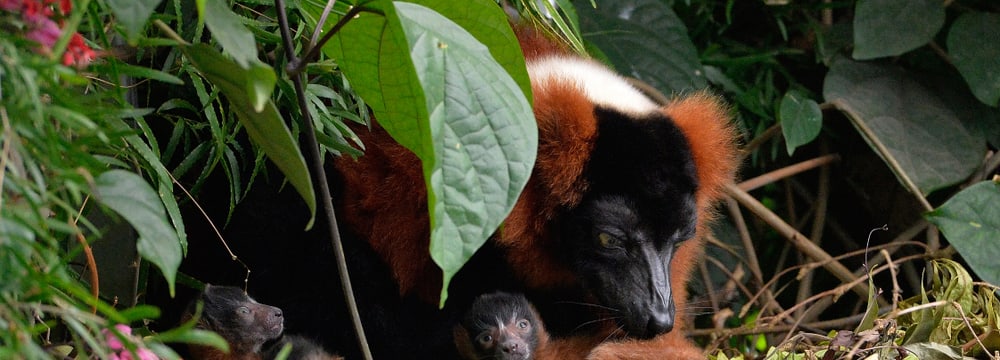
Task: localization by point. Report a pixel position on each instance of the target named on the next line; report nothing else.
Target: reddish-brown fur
(398, 225)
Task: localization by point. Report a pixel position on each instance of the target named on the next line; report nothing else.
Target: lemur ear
(707, 125)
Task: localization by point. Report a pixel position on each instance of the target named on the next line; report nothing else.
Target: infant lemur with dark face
(253, 330)
(500, 326)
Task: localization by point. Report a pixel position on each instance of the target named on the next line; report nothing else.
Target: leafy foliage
(85, 150)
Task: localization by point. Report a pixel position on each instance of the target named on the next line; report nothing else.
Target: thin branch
(762, 138)
(316, 163)
(296, 64)
(751, 255)
(770, 177)
(765, 329)
(797, 239)
(95, 282)
(322, 20)
(818, 226)
(211, 224)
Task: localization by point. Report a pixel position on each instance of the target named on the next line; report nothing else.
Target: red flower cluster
(40, 20)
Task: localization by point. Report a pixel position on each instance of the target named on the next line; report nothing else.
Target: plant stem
(312, 147)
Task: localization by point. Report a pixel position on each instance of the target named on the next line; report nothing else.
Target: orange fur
(386, 200)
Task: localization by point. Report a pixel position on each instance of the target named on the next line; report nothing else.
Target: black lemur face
(639, 208)
(501, 326)
(243, 322)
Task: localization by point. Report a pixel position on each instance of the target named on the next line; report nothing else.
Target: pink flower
(118, 350)
(43, 31)
(10, 5)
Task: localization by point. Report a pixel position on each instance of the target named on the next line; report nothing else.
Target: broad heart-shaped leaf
(266, 128)
(971, 222)
(801, 120)
(134, 200)
(904, 123)
(646, 40)
(974, 46)
(133, 15)
(229, 31)
(892, 27)
(439, 92)
(484, 136)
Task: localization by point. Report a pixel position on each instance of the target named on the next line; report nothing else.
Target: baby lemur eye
(609, 241)
(243, 310)
(485, 339)
(523, 324)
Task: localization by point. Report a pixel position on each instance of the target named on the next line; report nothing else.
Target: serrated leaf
(801, 120)
(646, 40)
(892, 27)
(971, 222)
(133, 14)
(266, 127)
(484, 136)
(134, 200)
(229, 31)
(904, 123)
(974, 46)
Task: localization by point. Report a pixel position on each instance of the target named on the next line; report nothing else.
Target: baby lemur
(253, 330)
(500, 326)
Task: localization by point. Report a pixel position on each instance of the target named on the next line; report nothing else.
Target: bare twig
(95, 282)
(316, 163)
(787, 171)
(768, 329)
(297, 64)
(797, 239)
(211, 224)
(818, 225)
(762, 138)
(751, 254)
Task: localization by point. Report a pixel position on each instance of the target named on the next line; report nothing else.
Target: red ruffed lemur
(500, 326)
(613, 214)
(254, 331)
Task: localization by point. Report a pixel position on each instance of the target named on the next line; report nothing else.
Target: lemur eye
(485, 339)
(523, 324)
(243, 310)
(609, 241)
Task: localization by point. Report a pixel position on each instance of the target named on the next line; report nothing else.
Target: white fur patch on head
(600, 85)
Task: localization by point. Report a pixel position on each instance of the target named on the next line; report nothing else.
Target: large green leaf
(229, 31)
(892, 27)
(484, 135)
(133, 15)
(131, 197)
(374, 55)
(974, 46)
(971, 222)
(488, 23)
(801, 120)
(439, 92)
(266, 127)
(904, 123)
(646, 40)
